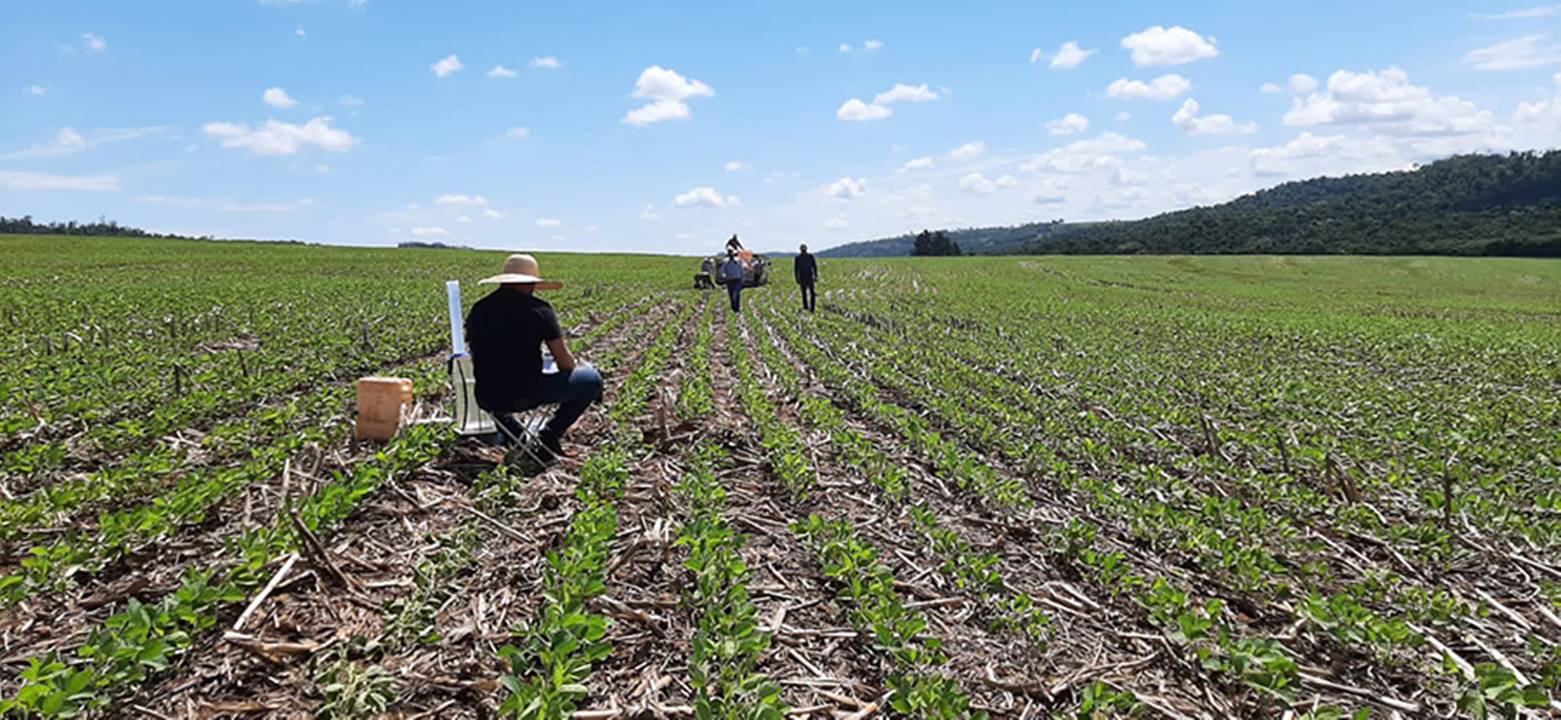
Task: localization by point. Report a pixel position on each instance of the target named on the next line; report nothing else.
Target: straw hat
(521, 268)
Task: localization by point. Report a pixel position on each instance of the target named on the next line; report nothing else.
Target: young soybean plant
(728, 644)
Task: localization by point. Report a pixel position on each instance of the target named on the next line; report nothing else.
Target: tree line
(25, 225)
(1462, 205)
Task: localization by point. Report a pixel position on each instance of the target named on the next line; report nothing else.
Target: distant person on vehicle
(805, 268)
(732, 275)
(734, 245)
(506, 331)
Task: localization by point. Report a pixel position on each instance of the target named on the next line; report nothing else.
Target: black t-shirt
(506, 330)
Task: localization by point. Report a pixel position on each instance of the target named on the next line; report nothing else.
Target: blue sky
(617, 126)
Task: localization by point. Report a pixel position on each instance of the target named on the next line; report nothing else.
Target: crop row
(1225, 536)
(898, 632)
(970, 570)
(144, 638)
(553, 654)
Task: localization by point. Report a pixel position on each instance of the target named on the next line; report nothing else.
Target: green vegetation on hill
(1463, 205)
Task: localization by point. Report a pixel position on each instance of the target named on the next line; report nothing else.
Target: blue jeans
(572, 392)
(734, 289)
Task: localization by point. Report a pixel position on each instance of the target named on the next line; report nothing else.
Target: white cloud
(1301, 83)
(546, 63)
(978, 184)
(871, 45)
(1283, 159)
(1538, 125)
(905, 93)
(668, 93)
(299, 31)
(15, 180)
(649, 213)
(548, 222)
(921, 163)
(1124, 116)
(34, 90)
(447, 66)
(1269, 88)
(846, 188)
(277, 97)
(499, 71)
(854, 110)
(93, 42)
(1165, 87)
(1540, 11)
(1067, 57)
(1068, 124)
(223, 205)
(844, 47)
(1188, 119)
(968, 151)
(1176, 45)
(430, 231)
(1080, 156)
(517, 133)
(351, 101)
(1525, 52)
(658, 111)
(65, 142)
(1389, 102)
(460, 200)
(492, 214)
(464, 220)
(280, 138)
(702, 196)
(736, 166)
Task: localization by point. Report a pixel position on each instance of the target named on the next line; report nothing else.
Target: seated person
(505, 331)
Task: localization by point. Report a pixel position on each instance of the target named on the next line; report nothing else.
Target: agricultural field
(1035, 487)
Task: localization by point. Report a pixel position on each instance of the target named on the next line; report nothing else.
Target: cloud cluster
(978, 184)
(1067, 57)
(854, 110)
(668, 93)
(16, 180)
(702, 196)
(1529, 51)
(1388, 101)
(499, 71)
(1080, 156)
(1068, 124)
(447, 66)
(278, 98)
(1165, 87)
(1159, 45)
(846, 188)
(1188, 119)
(280, 138)
(921, 163)
(969, 151)
(461, 200)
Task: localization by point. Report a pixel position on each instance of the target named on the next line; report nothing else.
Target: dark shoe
(554, 447)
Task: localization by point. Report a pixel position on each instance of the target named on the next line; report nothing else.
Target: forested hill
(1464, 205)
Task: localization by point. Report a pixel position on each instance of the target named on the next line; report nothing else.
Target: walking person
(506, 331)
(732, 275)
(805, 269)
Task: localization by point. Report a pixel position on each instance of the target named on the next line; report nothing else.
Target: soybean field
(1040, 487)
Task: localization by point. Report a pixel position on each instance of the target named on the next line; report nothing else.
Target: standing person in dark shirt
(506, 331)
(805, 268)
